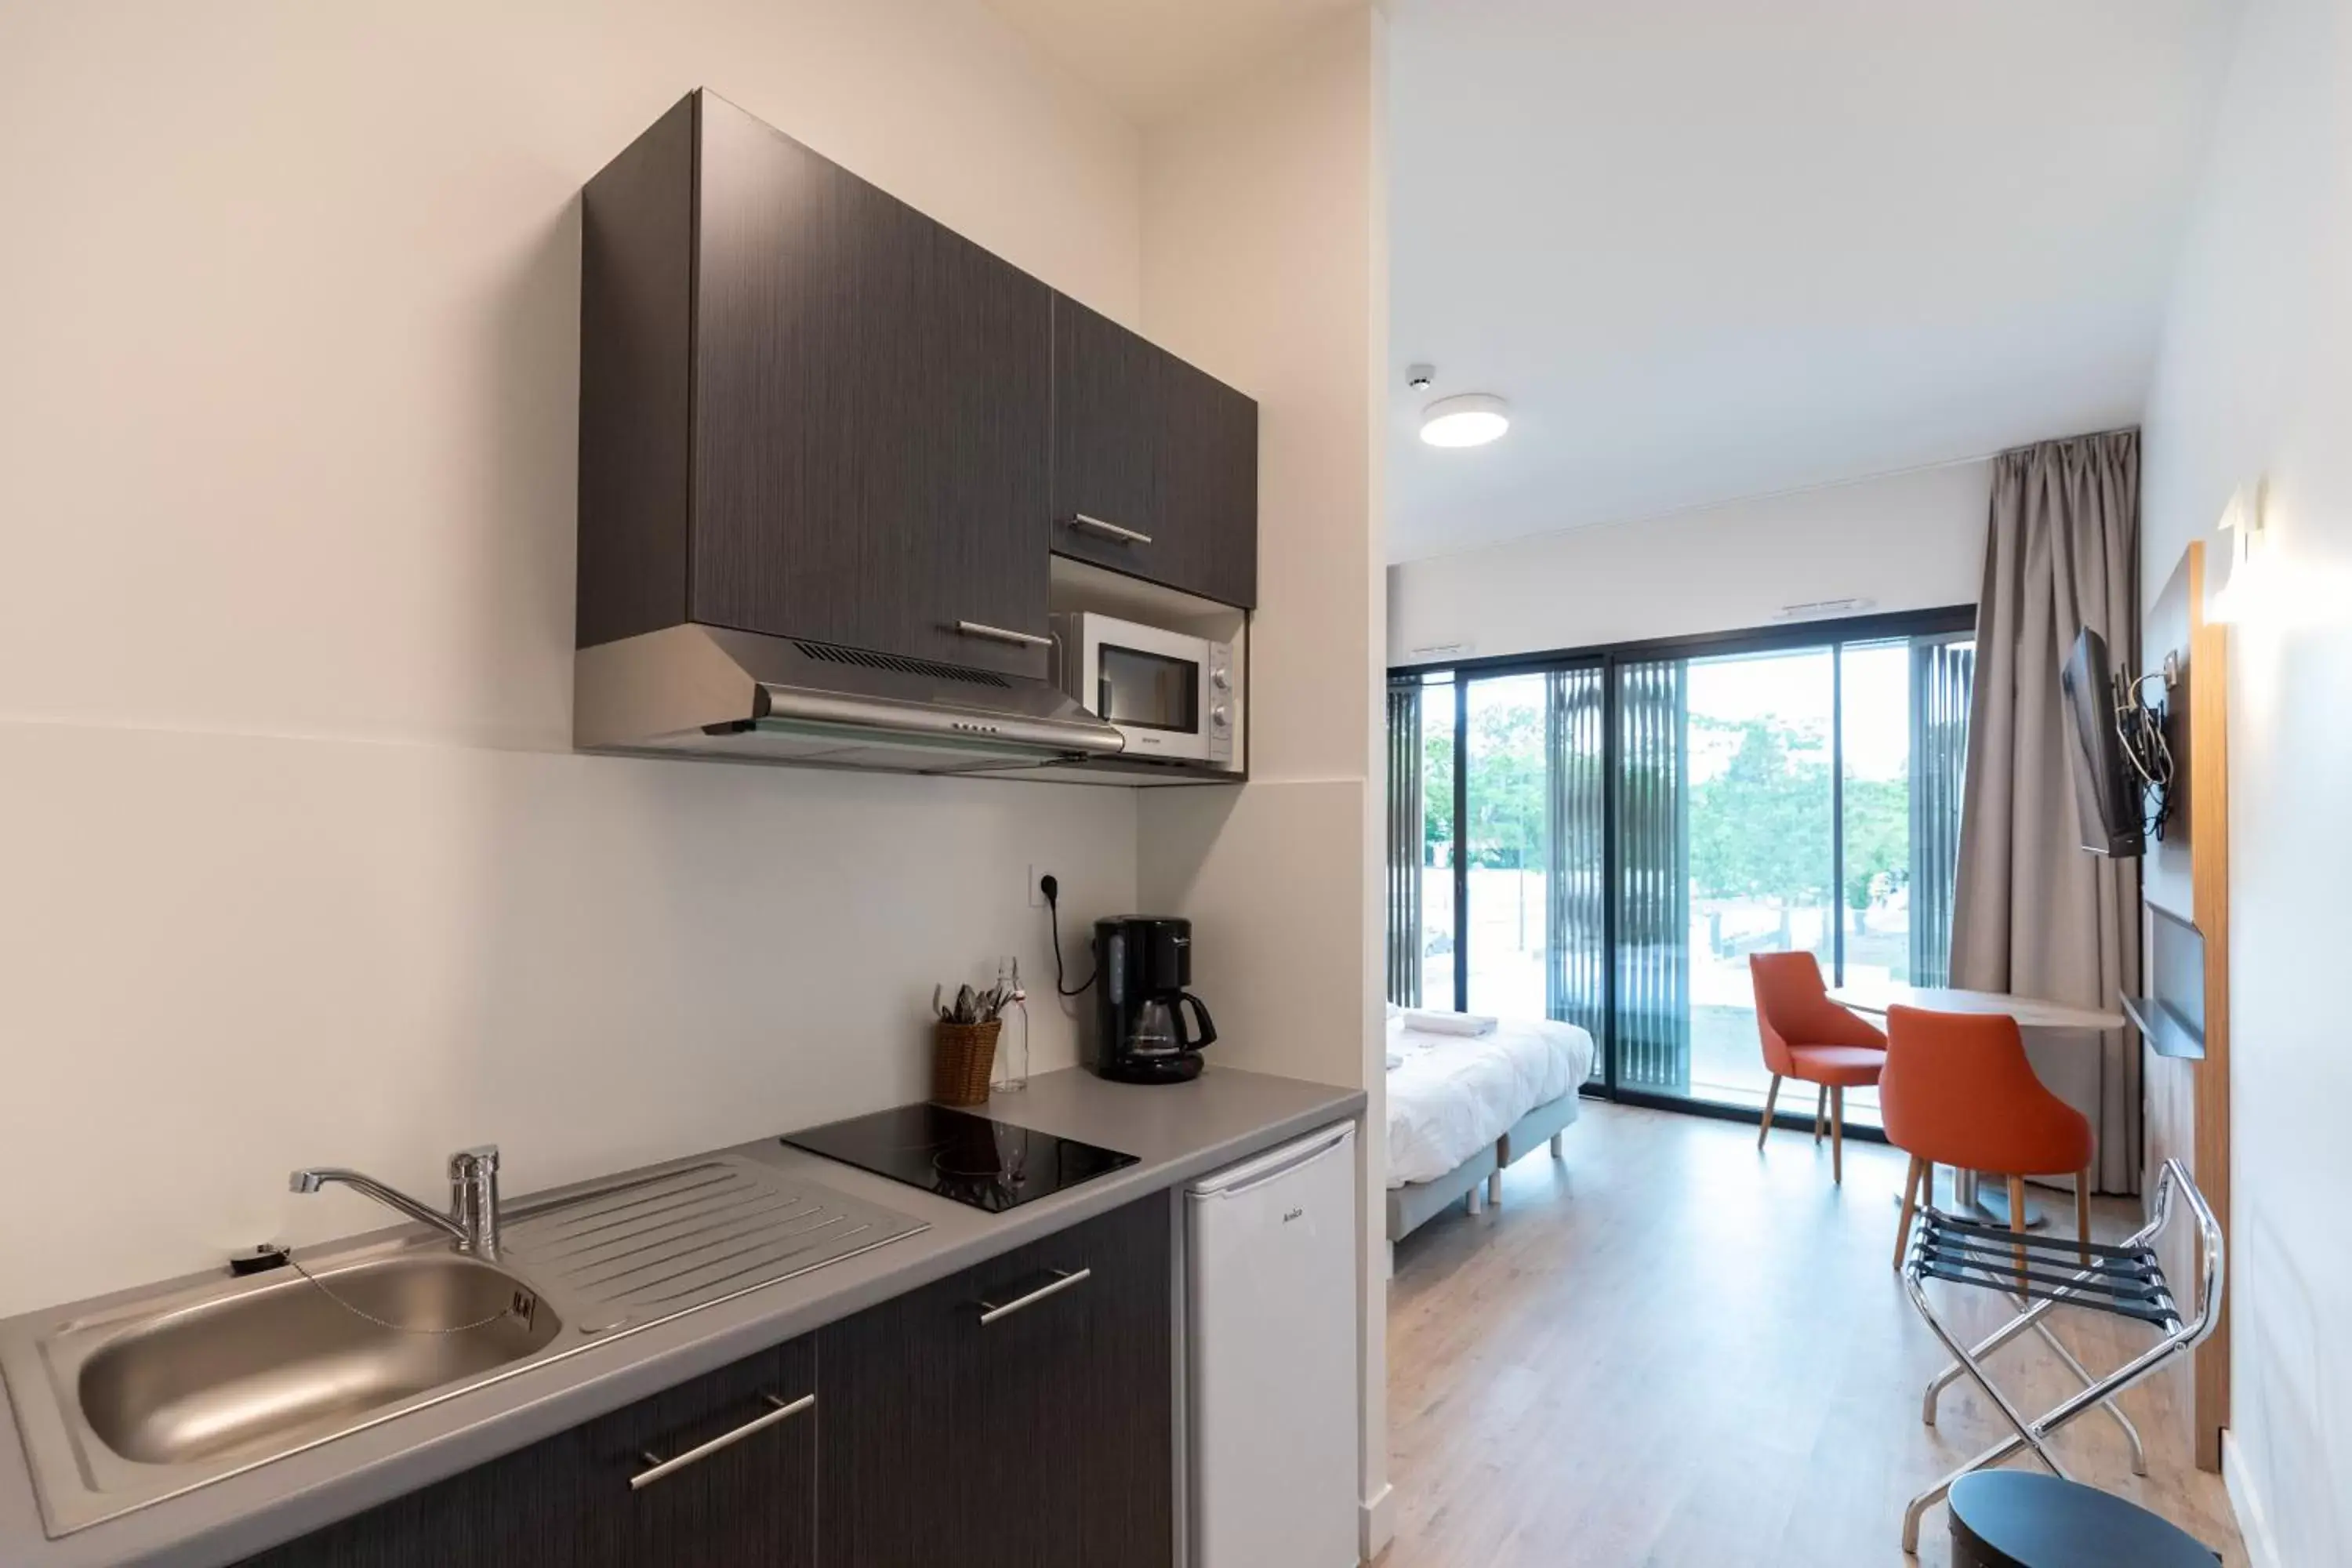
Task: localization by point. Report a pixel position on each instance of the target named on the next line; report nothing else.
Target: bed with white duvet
(1460, 1106)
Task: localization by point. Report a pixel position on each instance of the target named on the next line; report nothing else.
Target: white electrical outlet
(1036, 894)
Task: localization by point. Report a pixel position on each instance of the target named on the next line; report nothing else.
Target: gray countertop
(1177, 1133)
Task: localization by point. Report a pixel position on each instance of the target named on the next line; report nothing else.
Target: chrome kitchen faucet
(472, 1221)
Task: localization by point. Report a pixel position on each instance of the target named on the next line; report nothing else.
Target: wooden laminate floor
(1669, 1350)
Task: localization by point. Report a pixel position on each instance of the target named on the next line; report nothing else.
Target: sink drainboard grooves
(689, 1237)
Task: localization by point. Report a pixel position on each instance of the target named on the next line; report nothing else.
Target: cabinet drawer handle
(781, 1411)
(1096, 525)
(991, 1310)
(999, 634)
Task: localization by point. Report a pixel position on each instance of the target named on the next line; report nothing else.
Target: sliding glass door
(1505, 855)
(1632, 825)
(1751, 810)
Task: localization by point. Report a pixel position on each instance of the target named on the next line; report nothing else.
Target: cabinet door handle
(1000, 633)
(991, 1310)
(781, 1411)
(1096, 525)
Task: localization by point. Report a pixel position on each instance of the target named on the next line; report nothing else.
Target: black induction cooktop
(991, 1165)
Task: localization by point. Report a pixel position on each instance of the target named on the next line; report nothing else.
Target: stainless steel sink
(138, 1397)
(261, 1373)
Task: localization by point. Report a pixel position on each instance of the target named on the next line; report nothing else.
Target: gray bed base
(1413, 1205)
(1478, 1179)
(1543, 1124)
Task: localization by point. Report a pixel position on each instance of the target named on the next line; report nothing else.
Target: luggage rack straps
(2087, 1283)
(2110, 1273)
(1938, 1221)
(2124, 1281)
(2088, 1296)
(2122, 1277)
(2159, 1313)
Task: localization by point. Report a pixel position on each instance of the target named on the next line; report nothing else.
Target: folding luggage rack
(2041, 1272)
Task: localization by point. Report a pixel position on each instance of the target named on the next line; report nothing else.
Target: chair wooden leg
(2083, 1215)
(1837, 1136)
(1820, 1114)
(2017, 1222)
(1772, 1096)
(1910, 1206)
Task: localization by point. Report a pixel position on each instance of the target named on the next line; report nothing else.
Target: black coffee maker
(1142, 965)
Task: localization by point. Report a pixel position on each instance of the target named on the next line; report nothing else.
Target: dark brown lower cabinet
(752, 1501)
(566, 1502)
(1040, 1437)
(1015, 1415)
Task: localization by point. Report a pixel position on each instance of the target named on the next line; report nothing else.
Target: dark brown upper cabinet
(1155, 463)
(806, 409)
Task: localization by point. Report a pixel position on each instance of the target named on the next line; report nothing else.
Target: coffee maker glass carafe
(1143, 963)
(1154, 1033)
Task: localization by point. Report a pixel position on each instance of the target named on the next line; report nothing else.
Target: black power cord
(1052, 891)
(2139, 726)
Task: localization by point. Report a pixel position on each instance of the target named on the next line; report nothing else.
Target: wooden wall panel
(2188, 876)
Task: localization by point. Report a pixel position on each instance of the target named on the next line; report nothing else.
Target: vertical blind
(1942, 669)
(1404, 842)
(1652, 1013)
(1576, 871)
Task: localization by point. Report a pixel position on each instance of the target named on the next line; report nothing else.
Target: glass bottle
(1012, 1058)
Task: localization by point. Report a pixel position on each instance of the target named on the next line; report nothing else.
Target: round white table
(2030, 1013)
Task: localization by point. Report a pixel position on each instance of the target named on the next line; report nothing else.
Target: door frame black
(1831, 632)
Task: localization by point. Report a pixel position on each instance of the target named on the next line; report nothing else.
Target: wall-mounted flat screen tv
(2107, 791)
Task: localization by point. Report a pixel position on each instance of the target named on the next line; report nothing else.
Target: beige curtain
(2034, 914)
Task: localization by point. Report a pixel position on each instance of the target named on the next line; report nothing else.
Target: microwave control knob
(1217, 716)
(1221, 681)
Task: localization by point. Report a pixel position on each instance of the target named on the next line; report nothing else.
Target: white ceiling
(1717, 249)
(1148, 56)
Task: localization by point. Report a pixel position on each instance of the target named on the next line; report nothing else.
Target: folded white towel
(1395, 1061)
(1448, 1023)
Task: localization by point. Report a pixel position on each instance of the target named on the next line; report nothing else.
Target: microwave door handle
(1208, 1035)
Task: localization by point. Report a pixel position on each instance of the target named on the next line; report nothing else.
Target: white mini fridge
(1270, 1348)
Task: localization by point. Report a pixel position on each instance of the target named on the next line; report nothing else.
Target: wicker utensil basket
(963, 1056)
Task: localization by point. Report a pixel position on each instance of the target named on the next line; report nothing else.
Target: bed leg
(1554, 1146)
(1495, 1189)
(1475, 1200)
(1390, 1272)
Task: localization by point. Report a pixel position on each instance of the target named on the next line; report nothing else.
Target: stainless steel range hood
(718, 693)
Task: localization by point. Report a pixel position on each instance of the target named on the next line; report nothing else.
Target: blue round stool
(2019, 1519)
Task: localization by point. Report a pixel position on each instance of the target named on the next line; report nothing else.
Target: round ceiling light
(1471, 420)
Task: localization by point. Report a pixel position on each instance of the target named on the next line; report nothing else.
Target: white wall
(2255, 380)
(1264, 262)
(1909, 542)
(297, 865)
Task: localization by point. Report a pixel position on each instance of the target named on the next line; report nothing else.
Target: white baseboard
(1376, 1524)
(2254, 1523)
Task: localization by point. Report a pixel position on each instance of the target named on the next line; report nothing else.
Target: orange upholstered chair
(1809, 1036)
(1959, 1090)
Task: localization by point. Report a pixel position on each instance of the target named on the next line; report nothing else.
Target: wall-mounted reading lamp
(2246, 522)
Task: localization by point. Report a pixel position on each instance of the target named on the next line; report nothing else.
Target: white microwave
(1169, 695)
